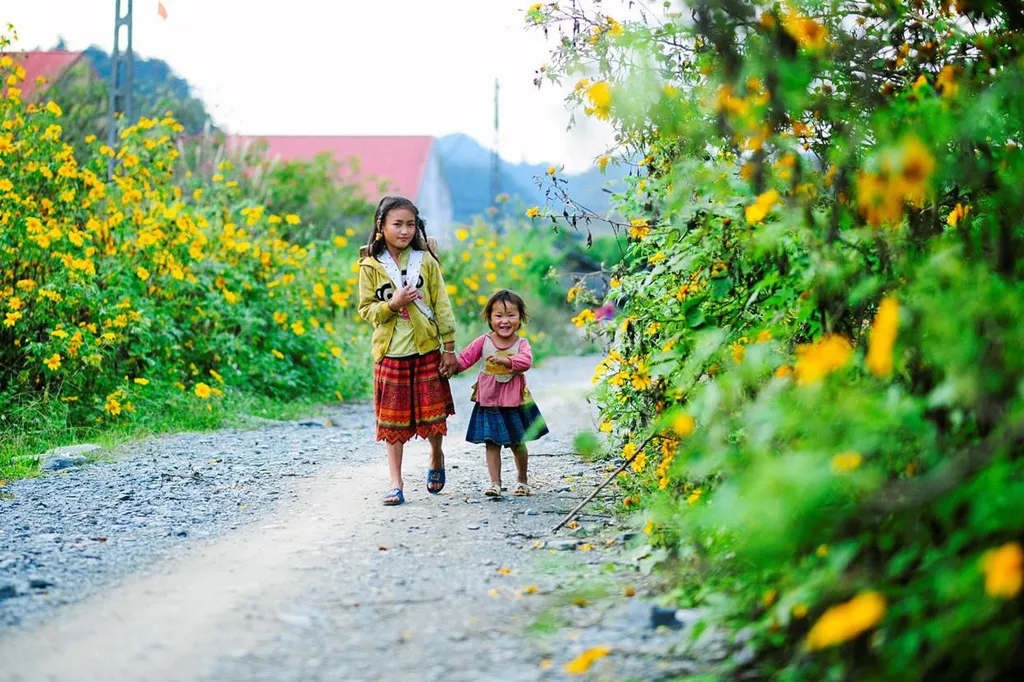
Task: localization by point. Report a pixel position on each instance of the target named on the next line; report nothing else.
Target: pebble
(473, 526)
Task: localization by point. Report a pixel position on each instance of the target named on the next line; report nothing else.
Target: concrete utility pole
(120, 83)
(495, 157)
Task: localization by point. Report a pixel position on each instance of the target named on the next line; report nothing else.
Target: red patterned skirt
(410, 398)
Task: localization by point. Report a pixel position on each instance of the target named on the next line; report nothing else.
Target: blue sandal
(394, 497)
(435, 476)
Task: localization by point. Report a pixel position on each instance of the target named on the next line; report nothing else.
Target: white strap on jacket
(412, 275)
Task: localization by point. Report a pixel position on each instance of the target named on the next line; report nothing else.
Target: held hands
(449, 365)
(404, 297)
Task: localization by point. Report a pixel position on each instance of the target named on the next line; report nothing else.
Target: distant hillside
(157, 89)
(467, 166)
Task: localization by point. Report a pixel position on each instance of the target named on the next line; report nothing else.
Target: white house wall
(435, 201)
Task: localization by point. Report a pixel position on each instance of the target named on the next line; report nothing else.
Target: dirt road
(331, 585)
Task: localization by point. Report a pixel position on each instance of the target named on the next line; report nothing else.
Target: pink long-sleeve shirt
(489, 391)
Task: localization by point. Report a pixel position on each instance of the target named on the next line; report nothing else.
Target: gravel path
(266, 555)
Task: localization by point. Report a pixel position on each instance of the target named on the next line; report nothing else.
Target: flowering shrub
(112, 292)
(816, 365)
(522, 258)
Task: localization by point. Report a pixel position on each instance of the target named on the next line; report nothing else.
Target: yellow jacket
(376, 289)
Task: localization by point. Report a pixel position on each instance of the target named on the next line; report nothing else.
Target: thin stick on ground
(604, 484)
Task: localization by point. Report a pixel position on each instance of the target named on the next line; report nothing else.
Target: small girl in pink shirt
(504, 413)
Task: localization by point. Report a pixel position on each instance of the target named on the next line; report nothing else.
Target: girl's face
(399, 228)
(505, 319)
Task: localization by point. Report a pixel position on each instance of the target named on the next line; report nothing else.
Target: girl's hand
(501, 360)
(404, 297)
(449, 365)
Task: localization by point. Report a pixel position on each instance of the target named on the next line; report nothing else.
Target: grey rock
(473, 526)
(688, 617)
(563, 545)
(61, 462)
(531, 512)
(8, 591)
(663, 617)
(72, 450)
(40, 583)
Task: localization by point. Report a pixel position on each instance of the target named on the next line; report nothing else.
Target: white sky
(343, 66)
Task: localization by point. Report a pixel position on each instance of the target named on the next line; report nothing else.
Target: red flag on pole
(161, 10)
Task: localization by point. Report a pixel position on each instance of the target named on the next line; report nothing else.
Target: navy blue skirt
(506, 425)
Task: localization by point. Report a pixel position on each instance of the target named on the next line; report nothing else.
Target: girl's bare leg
(395, 452)
(494, 463)
(436, 458)
(520, 455)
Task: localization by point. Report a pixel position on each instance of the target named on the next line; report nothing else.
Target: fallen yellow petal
(582, 663)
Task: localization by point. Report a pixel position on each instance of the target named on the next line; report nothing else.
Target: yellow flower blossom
(1004, 571)
(53, 362)
(600, 96)
(882, 338)
(203, 390)
(586, 315)
(462, 234)
(958, 213)
(817, 360)
(683, 425)
(846, 461)
(808, 33)
(846, 621)
(638, 228)
(533, 212)
(759, 210)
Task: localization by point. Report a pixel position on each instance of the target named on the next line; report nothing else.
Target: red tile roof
(399, 160)
(51, 65)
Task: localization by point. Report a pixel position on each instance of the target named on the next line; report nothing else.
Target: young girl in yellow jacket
(402, 292)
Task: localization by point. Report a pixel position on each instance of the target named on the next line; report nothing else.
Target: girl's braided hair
(376, 243)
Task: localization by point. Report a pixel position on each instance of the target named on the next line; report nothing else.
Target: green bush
(818, 347)
(112, 293)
